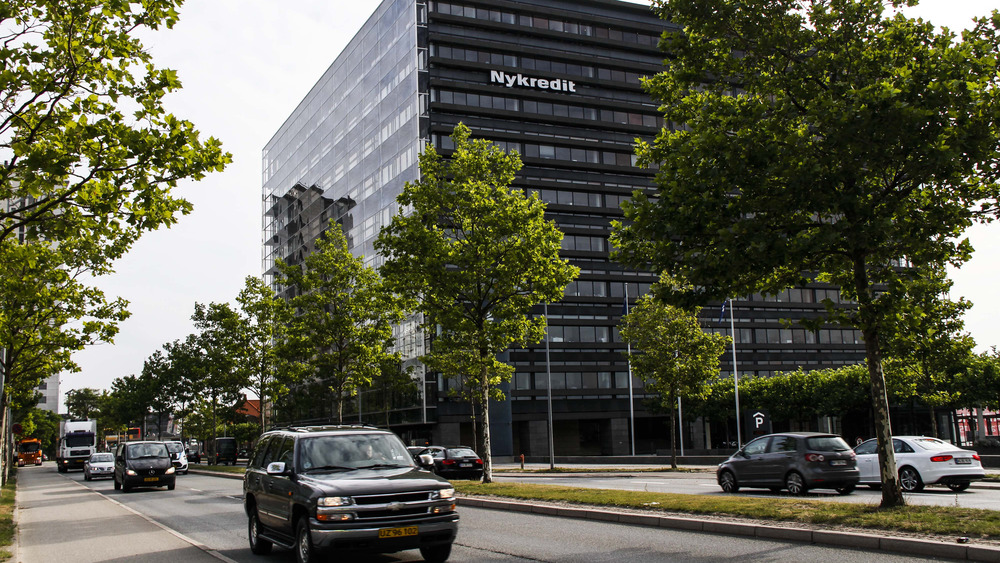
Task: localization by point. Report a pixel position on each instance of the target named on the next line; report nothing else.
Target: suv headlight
(169, 471)
(444, 494)
(334, 501)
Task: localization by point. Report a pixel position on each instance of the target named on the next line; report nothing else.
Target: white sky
(245, 65)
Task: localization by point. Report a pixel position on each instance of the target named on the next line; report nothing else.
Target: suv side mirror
(426, 460)
(276, 468)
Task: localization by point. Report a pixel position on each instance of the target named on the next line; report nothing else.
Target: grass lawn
(7, 516)
(948, 522)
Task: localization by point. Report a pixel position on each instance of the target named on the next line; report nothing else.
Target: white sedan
(921, 461)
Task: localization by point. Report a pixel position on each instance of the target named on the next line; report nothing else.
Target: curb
(868, 542)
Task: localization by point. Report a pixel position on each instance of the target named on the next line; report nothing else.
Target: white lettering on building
(511, 80)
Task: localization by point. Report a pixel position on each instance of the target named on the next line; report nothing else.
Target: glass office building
(558, 81)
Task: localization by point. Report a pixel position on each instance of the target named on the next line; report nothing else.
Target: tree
(342, 326)
(671, 353)
(217, 348)
(83, 403)
(830, 144)
(263, 318)
(925, 334)
(89, 150)
(476, 256)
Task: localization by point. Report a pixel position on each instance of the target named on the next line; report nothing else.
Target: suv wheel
(117, 484)
(795, 484)
(258, 545)
(304, 552)
(436, 554)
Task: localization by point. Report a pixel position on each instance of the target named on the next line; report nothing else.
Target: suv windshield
(827, 444)
(352, 451)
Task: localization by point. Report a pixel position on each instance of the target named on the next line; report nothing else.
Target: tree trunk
(892, 495)
(934, 422)
(485, 412)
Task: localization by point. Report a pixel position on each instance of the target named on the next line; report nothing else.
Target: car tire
(728, 482)
(959, 487)
(845, 490)
(304, 550)
(258, 545)
(795, 484)
(86, 476)
(126, 487)
(171, 486)
(909, 480)
(118, 485)
(436, 553)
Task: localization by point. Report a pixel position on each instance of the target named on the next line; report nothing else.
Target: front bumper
(143, 481)
(439, 531)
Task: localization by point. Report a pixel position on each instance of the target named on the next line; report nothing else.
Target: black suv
(143, 464)
(351, 488)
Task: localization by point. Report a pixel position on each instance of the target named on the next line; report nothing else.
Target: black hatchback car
(143, 464)
(796, 461)
(455, 462)
(350, 488)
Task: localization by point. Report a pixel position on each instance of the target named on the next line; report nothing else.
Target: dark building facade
(558, 81)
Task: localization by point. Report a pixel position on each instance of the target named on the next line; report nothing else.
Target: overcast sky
(245, 65)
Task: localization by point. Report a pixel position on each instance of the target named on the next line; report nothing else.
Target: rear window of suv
(827, 444)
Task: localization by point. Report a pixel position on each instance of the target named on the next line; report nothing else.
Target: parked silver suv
(797, 461)
(350, 488)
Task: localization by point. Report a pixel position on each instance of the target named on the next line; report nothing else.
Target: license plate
(151, 479)
(838, 462)
(963, 460)
(397, 532)
(465, 465)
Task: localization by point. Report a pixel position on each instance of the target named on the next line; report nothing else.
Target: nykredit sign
(512, 80)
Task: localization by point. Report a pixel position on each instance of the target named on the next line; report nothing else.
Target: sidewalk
(60, 520)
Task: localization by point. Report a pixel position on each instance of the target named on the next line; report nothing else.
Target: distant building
(49, 394)
(558, 82)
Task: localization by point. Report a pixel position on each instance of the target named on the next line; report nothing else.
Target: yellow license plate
(397, 532)
(149, 479)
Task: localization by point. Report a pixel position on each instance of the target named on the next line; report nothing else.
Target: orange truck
(29, 452)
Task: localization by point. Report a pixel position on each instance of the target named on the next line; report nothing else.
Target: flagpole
(736, 375)
(631, 401)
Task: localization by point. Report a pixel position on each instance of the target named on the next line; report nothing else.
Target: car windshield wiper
(382, 466)
(329, 468)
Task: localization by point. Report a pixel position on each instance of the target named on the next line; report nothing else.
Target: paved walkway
(59, 519)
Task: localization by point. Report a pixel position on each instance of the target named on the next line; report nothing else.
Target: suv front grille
(395, 507)
(398, 497)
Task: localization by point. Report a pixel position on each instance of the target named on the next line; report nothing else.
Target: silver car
(921, 460)
(99, 465)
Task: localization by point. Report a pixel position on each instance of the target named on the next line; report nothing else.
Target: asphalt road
(207, 510)
(982, 495)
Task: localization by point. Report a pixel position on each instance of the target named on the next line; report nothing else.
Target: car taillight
(941, 458)
(447, 462)
(815, 457)
(480, 462)
(976, 457)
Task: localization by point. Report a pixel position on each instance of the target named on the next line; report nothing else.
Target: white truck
(77, 441)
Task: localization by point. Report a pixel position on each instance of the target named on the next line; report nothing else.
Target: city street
(206, 512)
